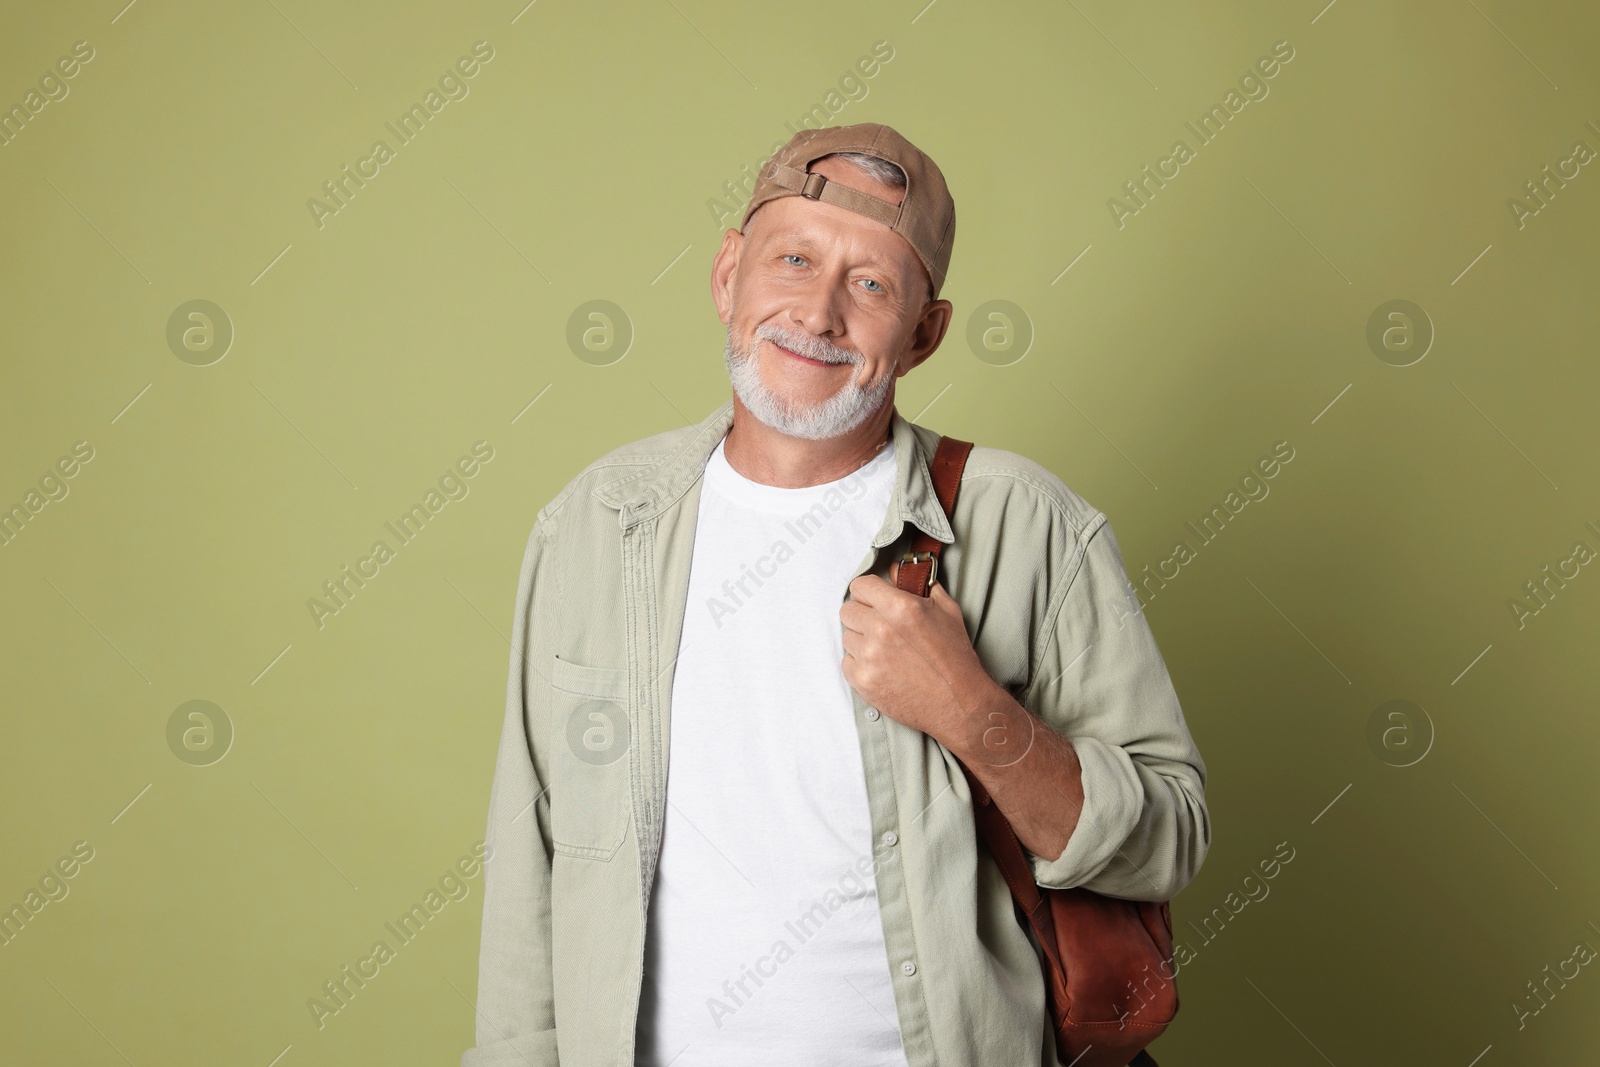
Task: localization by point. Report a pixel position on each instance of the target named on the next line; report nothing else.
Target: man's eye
(792, 255)
(879, 289)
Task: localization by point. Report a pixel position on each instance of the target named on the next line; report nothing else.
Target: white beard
(833, 417)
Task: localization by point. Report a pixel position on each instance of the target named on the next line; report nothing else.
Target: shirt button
(872, 714)
(908, 967)
(890, 837)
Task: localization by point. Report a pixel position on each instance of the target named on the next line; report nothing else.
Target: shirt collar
(645, 493)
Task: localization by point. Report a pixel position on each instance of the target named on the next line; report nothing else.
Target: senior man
(728, 822)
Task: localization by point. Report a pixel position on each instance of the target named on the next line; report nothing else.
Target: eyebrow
(795, 237)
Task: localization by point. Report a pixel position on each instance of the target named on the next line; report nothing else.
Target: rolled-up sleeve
(1101, 682)
(515, 1010)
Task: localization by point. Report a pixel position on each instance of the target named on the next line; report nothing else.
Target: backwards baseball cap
(925, 218)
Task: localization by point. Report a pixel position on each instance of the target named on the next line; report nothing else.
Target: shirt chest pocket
(590, 736)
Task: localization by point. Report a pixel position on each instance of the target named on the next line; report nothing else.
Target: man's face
(824, 308)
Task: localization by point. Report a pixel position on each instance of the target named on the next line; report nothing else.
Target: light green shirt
(575, 813)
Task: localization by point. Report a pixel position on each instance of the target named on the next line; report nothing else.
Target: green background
(1228, 314)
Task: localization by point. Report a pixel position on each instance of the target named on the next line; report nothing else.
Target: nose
(816, 308)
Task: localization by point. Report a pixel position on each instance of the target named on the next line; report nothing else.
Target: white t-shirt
(750, 956)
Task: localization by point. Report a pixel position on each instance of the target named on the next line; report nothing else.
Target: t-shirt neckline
(721, 477)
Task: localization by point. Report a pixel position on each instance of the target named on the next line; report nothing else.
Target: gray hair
(878, 169)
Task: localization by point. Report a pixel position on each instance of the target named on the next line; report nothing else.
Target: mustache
(806, 345)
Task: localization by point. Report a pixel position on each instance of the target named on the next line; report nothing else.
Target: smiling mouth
(803, 359)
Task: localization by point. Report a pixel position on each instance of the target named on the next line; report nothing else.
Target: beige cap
(926, 217)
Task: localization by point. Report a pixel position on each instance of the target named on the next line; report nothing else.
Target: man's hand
(910, 657)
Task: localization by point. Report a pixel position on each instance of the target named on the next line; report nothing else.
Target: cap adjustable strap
(817, 187)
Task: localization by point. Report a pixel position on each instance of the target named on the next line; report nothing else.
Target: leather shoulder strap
(914, 575)
(920, 563)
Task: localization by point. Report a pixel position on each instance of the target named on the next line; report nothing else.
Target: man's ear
(927, 334)
(723, 268)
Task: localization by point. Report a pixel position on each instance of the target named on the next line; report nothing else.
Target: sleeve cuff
(1113, 799)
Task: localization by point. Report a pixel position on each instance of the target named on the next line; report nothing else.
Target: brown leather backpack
(1107, 961)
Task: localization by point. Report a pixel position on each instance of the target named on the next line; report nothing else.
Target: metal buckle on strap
(813, 185)
(923, 557)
